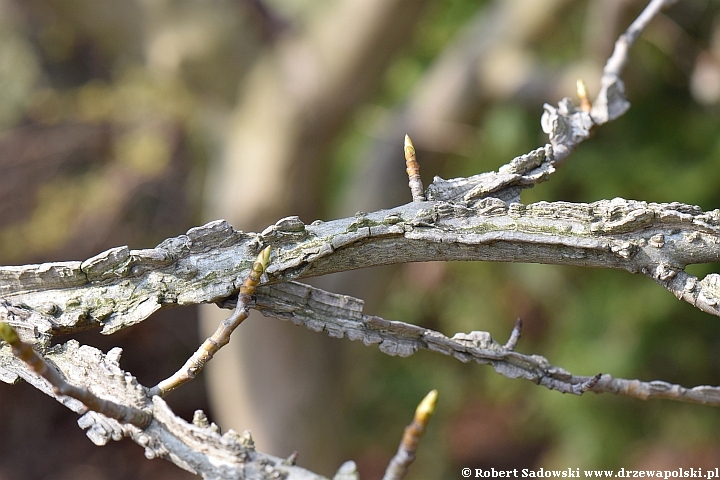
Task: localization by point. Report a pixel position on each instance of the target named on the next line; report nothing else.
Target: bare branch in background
(272, 24)
(341, 316)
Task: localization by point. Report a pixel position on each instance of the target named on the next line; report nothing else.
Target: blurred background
(126, 122)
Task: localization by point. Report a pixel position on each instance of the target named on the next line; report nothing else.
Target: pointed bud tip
(264, 257)
(582, 94)
(408, 142)
(426, 408)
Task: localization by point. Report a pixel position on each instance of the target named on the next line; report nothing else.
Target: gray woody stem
(341, 316)
(221, 337)
(122, 287)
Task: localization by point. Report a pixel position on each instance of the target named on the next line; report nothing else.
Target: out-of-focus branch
(221, 337)
(619, 57)
(272, 24)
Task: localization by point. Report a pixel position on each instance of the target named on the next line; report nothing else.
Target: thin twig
(586, 386)
(413, 171)
(398, 466)
(25, 352)
(703, 394)
(567, 126)
(221, 337)
(514, 336)
(619, 57)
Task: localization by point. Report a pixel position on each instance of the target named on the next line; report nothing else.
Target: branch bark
(478, 218)
(121, 287)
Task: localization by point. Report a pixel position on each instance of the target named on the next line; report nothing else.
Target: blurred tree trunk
(291, 107)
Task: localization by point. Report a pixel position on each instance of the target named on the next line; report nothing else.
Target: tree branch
(23, 351)
(405, 456)
(121, 287)
(341, 316)
(476, 218)
(198, 449)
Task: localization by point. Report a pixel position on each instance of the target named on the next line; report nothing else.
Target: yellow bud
(264, 258)
(426, 408)
(582, 94)
(409, 148)
(8, 333)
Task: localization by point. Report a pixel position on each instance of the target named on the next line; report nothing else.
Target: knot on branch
(566, 125)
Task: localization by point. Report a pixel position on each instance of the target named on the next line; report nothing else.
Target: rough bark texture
(121, 287)
(473, 219)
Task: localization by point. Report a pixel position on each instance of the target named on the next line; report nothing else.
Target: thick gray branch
(121, 287)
